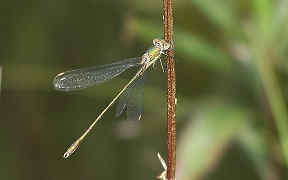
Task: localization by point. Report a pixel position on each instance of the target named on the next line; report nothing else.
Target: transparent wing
(132, 99)
(86, 77)
(135, 102)
(123, 100)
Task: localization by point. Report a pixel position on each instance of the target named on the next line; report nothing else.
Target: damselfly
(86, 77)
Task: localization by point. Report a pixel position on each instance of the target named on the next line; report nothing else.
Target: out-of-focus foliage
(231, 89)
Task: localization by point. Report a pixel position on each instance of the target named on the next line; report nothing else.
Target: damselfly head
(161, 43)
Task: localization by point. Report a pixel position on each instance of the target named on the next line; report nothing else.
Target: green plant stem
(171, 89)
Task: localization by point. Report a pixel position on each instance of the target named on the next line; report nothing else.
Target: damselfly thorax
(154, 53)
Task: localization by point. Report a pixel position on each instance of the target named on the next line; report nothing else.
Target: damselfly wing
(86, 77)
(131, 100)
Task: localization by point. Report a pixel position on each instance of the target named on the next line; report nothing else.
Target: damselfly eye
(161, 43)
(156, 42)
(166, 46)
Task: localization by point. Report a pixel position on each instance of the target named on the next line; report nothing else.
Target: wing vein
(86, 77)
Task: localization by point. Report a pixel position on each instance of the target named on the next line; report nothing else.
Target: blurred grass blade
(188, 45)
(205, 52)
(220, 13)
(281, 19)
(280, 27)
(263, 14)
(256, 148)
(214, 126)
(0, 78)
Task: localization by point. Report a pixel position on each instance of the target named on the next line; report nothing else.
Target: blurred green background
(231, 89)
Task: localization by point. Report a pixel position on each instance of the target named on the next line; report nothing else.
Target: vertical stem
(171, 89)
